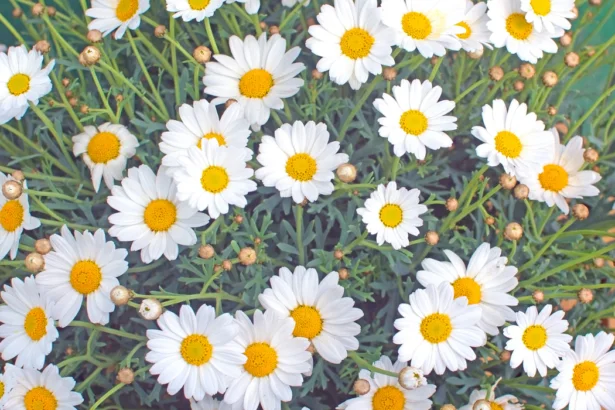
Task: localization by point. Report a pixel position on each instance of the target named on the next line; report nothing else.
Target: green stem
(104, 329)
(547, 245)
(358, 107)
(211, 37)
(364, 364)
(299, 227)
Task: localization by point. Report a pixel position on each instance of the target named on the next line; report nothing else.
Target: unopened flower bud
(505, 355)
(17, 13)
(42, 246)
(343, 273)
(591, 155)
(361, 387)
(84, 109)
(538, 296)
(549, 78)
(202, 54)
(552, 111)
(89, 56)
(206, 251)
(481, 405)
(451, 204)
(34, 262)
(389, 73)
(338, 254)
(518, 85)
(521, 191)
(274, 30)
(566, 39)
(496, 73)
(595, 2)
(51, 11)
(120, 295)
(411, 378)
(150, 309)
(18, 176)
(126, 376)
(476, 54)
(513, 231)
(507, 181)
(42, 46)
(572, 59)
(599, 262)
(94, 36)
(38, 9)
(527, 70)
(160, 31)
(490, 220)
(317, 75)
(580, 211)
(227, 265)
(585, 295)
(347, 173)
(247, 256)
(432, 238)
(12, 190)
(448, 407)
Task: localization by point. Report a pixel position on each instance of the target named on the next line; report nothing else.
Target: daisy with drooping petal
(28, 330)
(258, 76)
(209, 403)
(7, 381)
(275, 361)
(392, 214)
(414, 119)
(437, 331)
(252, 6)
(299, 161)
(190, 10)
(474, 22)
(505, 402)
(352, 41)
(549, 15)
(537, 340)
(82, 265)
(116, 15)
(105, 151)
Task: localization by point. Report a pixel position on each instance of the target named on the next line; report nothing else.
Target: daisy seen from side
(549, 15)
(116, 15)
(190, 10)
(505, 402)
(474, 23)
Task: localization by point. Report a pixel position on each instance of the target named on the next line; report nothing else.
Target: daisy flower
(7, 381)
(112, 15)
(275, 361)
(537, 340)
(512, 137)
(351, 41)
(474, 22)
(22, 80)
(561, 177)
(251, 6)
(586, 374)
(14, 218)
(209, 403)
(485, 282)
(190, 10)
(385, 392)
(320, 312)
(549, 15)
(82, 266)
(392, 214)
(28, 329)
(437, 331)
(429, 26)
(258, 76)
(105, 151)
(299, 161)
(414, 119)
(505, 402)
(194, 351)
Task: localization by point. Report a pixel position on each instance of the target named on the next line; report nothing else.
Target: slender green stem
(364, 364)
(547, 245)
(105, 329)
(358, 107)
(211, 37)
(299, 228)
(103, 97)
(436, 68)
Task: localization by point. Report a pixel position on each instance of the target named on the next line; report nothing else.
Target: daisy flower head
(194, 351)
(414, 118)
(22, 80)
(190, 10)
(505, 402)
(320, 312)
(474, 22)
(116, 15)
(82, 265)
(209, 403)
(105, 150)
(437, 331)
(549, 15)
(7, 381)
(512, 137)
(275, 361)
(392, 214)
(299, 161)
(485, 282)
(28, 330)
(537, 340)
(586, 374)
(258, 76)
(352, 41)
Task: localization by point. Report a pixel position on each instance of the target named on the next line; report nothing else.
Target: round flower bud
(572, 59)
(527, 70)
(507, 181)
(84, 109)
(18, 176)
(42, 246)
(34, 262)
(89, 56)
(120, 295)
(389, 73)
(206, 251)
(150, 309)
(549, 78)
(257, 241)
(562, 128)
(585, 295)
(317, 75)
(247, 256)
(51, 11)
(552, 111)
(38, 9)
(202, 54)
(274, 30)
(538, 296)
(513, 231)
(42, 46)
(343, 273)
(347, 173)
(599, 262)
(119, 98)
(451, 204)
(476, 54)
(262, 25)
(580, 212)
(94, 36)
(482, 405)
(361, 387)
(73, 101)
(160, 31)
(12, 189)
(595, 2)
(505, 355)
(227, 265)
(490, 220)
(17, 13)
(496, 73)
(238, 219)
(126, 376)
(448, 407)
(567, 304)
(338, 254)
(411, 378)
(566, 39)
(591, 155)
(518, 85)
(432, 238)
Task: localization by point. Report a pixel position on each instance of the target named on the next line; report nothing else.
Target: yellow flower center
(495, 406)
(518, 27)
(468, 30)
(40, 398)
(198, 4)
(160, 215)
(35, 324)
(553, 178)
(301, 167)
(126, 9)
(1, 390)
(416, 25)
(541, 7)
(436, 328)
(19, 84)
(356, 43)
(214, 179)
(585, 376)
(391, 215)
(469, 288)
(413, 122)
(212, 135)
(85, 277)
(388, 398)
(11, 215)
(103, 147)
(262, 359)
(308, 322)
(508, 144)
(534, 337)
(256, 83)
(196, 350)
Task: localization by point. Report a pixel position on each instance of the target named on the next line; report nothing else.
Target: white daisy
(352, 41)
(299, 161)
(512, 137)
(209, 403)
(7, 381)
(474, 23)
(385, 392)
(486, 282)
(28, 330)
(190, 10)
(549, 15)
(120, 15)
(105, 151)
(82, 265)
(319, 310)
(586, 375)
(258, 76)
(505, 402)
(14, 218)
(275, 361)
(392, 214)
(414, 119)
(561, 177)
(251, 6)
(438, 331)
(537, 340)
(194, 352)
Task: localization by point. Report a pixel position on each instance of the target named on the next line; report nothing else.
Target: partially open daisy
(28, 329)
(116, 15)
(22, 80)
(414, 119)
(190, 10)
(194, 352)
(437, 331)
(485, 282)
(299, 161)
(319, 310)
(105, 151)
(513, 137)
(7, 381)
(392, 214)
(275, 361)
(474, 23)
(538, 340)
(82, 266)
(351, 41)
(505, 402)
(258, 76)
(549, 15)
(209, 403)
